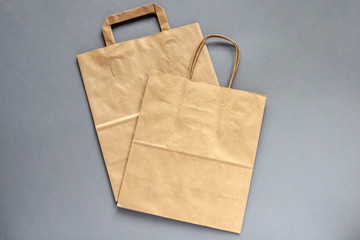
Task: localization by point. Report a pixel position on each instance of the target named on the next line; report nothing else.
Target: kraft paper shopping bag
(115, 78)
(193, 151)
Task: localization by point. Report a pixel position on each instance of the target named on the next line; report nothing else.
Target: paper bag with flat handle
(115, 79)
(193, 151)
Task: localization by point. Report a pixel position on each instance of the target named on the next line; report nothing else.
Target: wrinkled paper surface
(115, 79)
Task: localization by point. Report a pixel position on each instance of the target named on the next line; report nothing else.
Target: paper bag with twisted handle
(115, 78)
(193, 151)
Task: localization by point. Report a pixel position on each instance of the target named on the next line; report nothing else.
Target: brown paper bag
(193, 151)
(115, 78)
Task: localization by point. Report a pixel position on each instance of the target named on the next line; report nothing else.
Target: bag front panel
(193, 152)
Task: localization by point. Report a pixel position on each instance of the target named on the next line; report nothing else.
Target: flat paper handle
(200, 47)
(131, 14)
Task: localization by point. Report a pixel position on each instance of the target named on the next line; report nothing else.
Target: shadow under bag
(193, 151)
(115, 78)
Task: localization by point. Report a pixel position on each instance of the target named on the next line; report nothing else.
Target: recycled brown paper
(115, 79)
(193, 151)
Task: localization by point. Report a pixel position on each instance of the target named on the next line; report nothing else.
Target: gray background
(304, 55)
